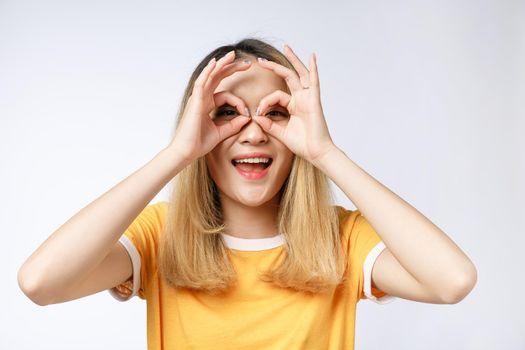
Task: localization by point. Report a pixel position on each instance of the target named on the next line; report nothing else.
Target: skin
(250, 207)
(420, 262)
(83, 256)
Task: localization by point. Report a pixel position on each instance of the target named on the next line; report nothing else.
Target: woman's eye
(225, 113)
(277, 114)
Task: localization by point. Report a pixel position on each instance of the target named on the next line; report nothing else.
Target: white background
(427, 96)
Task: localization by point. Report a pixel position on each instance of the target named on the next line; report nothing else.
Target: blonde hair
(192, 253)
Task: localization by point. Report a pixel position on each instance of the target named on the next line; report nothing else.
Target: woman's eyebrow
(225, 104)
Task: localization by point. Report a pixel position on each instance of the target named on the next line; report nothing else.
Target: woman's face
(234, 162)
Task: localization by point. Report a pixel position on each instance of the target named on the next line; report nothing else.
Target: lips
(252, 174)
(252, 171)
(252, 155)
(264, 165)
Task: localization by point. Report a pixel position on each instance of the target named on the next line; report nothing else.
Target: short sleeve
(141, 241)
(363, 247)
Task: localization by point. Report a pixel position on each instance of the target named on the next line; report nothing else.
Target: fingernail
(213, 59)
(257, 110)
(262, 59)
(246, 61)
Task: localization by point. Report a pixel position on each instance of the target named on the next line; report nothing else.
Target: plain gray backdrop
(426, 96)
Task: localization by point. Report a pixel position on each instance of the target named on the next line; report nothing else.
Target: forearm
(83, 241)
(425, 251)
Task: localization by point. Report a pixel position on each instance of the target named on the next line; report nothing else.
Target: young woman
(250, 252)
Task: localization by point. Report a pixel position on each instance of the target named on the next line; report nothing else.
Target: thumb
(233, 126)
(270, 127)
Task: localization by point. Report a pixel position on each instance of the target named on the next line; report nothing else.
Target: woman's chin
(253, 199)
(252, 203)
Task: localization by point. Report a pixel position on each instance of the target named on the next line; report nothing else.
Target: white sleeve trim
(367, 270)
(135, 261)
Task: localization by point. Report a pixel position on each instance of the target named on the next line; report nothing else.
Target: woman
(250, 252)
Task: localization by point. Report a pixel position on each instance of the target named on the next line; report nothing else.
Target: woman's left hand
(306, 133)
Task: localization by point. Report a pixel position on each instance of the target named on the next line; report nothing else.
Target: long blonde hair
(192, 253)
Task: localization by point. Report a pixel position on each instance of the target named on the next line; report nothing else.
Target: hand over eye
(196, 133)
(305, 133)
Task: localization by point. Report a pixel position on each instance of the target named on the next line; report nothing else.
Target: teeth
(252, 160)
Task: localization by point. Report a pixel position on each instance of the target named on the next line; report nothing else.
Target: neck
(250, 222)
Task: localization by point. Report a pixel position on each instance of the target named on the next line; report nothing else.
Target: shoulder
(354, 229)
(149, 223)
(161, 207)
(158, 207)
(347, 217)
(156, 212)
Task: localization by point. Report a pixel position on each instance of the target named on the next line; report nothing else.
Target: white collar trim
(253, 244)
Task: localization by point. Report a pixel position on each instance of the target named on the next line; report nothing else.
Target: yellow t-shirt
(255, 314)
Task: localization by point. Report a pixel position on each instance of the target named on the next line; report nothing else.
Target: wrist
(174, 155)
(324, 157)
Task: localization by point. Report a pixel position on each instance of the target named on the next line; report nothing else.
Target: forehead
(255, 82)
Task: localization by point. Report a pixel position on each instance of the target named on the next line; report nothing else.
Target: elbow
(462, 286)
(31, 286)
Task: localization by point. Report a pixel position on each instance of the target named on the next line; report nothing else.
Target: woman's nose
(252, 133)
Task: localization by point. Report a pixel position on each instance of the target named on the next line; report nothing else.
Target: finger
(226, 59)
(203, 76)
(278, 97)
(226, 71)
(314, 73)
(289, 76)
(226, 97)
(298, 65)
(270, 127)
(232, 127)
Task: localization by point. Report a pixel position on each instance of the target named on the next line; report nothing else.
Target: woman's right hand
(197, 133)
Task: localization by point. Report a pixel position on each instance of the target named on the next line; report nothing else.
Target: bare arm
(83, 256)
(420, 262)
(79, 246)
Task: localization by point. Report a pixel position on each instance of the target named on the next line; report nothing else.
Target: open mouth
(252, 165)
